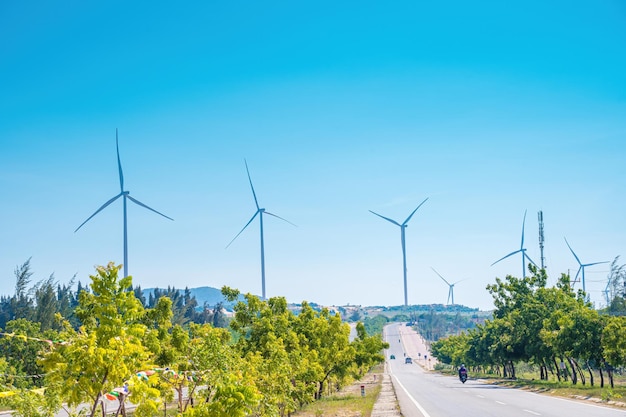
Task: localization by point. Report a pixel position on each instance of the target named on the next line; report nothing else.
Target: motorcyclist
(462, 370)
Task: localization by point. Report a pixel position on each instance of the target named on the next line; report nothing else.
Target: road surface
(423, 393)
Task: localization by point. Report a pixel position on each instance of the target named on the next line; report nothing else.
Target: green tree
(617, 283)
(21, 303)
(21, 350)
(368, 350)
(267, 341)
(614, 343)
(374, 325)
(46, 303)
(207, 366)
(106, 350)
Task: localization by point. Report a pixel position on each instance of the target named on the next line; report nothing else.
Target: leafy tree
(330, 338)
(614, 343)
(375, 325)
(266, 340)
(452, 350)
(207, 366)
(218, 318)
(21, 303)
(617, 288)
(32, 403)
(66, 303)
(46, 303)
(139, 295)
(106, 350)
(296, 357)
(368, 350)
(21, 350)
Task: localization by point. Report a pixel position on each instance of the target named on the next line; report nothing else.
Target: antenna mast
(541, 238)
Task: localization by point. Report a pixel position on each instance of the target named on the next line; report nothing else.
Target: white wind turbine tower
(259, 211)
(125, 196)
(403, 242)
(582, 266)
(521, 250)
(451, 290)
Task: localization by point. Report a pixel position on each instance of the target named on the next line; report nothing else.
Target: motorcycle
(463, 375)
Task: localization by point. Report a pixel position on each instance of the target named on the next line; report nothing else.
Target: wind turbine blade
(99, 210)
(251, 186)
(149, 208)
(386, 218)
(444, 280)
(572, 250)
(580, 268)
(596, 263)
(528, 257)
(449, 295)
(504, 257)
(119, 163)
(278, 217)
(411, 215)
(523, 224)
(244, 228)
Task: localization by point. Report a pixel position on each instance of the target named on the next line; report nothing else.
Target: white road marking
(480, 396)
(419, 407)
(500, 402)
(532, 412)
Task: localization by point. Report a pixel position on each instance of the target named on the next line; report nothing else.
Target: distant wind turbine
(582, 266)
(451, 290)
(402, 238)
(125, 195)
(259, 211)
(606, 293)
(521, 250)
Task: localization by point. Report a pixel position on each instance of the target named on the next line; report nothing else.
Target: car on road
(408, 360)
(392, 357)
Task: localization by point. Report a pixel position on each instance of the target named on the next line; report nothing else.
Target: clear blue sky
(489, 109)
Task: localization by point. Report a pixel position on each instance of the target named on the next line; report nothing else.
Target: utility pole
(541, 238)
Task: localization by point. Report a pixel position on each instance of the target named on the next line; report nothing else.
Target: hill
(209, 295)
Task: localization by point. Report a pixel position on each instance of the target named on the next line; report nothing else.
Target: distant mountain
(209, 295)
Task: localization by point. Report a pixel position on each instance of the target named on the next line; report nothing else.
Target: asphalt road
(423, 393)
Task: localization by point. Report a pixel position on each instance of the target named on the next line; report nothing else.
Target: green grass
(340, 405)
(348, 402)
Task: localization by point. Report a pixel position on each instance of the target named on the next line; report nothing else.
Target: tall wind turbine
(582, 266)
(125, 195)
(521, 250)
(259, 211)
(451, 291)
(402, 238)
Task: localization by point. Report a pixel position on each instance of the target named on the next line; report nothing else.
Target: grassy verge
(348, 402)
(615, 395)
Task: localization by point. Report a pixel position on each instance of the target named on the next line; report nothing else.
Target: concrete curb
(387, 403)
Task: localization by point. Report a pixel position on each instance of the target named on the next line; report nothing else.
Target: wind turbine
(402, 238)
(451, 291)
(125, 195)
(521, 250)
(259, 211)
(606, 293)
(582, 266)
